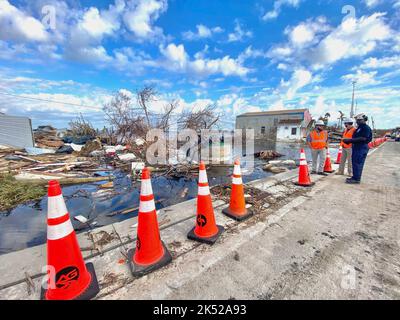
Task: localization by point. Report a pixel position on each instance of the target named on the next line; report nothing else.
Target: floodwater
(25, 225)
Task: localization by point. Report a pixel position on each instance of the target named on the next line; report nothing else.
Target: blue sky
(240, 56)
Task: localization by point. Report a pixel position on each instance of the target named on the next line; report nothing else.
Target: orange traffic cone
(150, 253)
(304, 174)
(328, 163)
(205, 230)
(69, 277)
(237, 207)
(339, 156)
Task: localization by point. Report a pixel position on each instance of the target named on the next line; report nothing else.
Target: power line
(46, 100)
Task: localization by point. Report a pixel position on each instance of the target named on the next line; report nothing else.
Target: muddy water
(25, 226)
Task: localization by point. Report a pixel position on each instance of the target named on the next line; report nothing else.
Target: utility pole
(352, 100)
(355, 111)
(373, 125)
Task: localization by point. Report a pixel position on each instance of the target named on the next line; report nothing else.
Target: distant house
(16, 131)
(280, 125)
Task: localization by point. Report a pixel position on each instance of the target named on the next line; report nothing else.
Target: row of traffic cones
(75, 280)
(377, 142)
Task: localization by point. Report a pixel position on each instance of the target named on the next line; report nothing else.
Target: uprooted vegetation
(131, 118)
(13, 192)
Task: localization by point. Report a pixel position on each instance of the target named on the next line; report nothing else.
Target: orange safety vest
(319, 140)
(347, 134)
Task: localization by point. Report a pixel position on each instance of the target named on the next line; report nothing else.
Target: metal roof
(16, 131)
(272, 113)
(289, 121)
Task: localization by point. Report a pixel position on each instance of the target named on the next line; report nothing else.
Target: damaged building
(279, 125)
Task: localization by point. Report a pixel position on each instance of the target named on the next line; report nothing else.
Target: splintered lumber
(66, 181)
(29, 159)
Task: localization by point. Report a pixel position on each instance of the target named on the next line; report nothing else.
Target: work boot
(352, 181)
(323, 174)
(339, 174)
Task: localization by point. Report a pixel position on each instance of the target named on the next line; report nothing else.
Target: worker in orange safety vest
(347, 151)
(317, 140)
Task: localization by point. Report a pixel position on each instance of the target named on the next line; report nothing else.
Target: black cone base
(230, 214)
(90, 292)
(304, 185)
(211, 240)
(139, 270)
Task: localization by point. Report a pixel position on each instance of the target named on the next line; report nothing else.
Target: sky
(62, 58)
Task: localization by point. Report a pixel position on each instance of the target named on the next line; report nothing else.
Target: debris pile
(280, 166)
(268, 155)
(46, 137)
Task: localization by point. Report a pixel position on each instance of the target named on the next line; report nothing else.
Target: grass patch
(13, 192)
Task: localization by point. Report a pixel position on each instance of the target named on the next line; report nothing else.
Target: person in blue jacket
(361, 137)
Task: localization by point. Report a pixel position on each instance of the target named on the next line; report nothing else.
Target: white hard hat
(348, 120)
(320, 123)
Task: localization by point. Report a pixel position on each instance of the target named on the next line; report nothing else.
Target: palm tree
(341, 117)
(325, 118)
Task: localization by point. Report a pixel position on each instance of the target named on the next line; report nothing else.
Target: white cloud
(277, 105)
(239, 34)
(96, 25)
(305, 33)
(201, 33)
(352, 38)
(140, 16)
(385, 62)
(250, 53)
(16, 25)
(362, 78)
(178, 60)
(372, 3)
(278, 4)
(300, 78)
(320, 45)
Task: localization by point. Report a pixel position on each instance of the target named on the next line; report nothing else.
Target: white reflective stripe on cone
(303, 163)
(237, 180)
(302, 156)
(56, 207)
(204, 191)
(236, 170)
(145, 188)
(147, 206)
(59, 231)
(203, 176)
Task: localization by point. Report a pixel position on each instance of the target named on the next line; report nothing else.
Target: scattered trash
(273, 169)
(137, 166)
(91, 146)
(65, 149)
(268, 155)
(77, 147)
(81, 219)
(127, 157)
(107, 185)
(38, 151)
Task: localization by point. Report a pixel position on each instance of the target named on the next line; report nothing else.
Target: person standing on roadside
(347, 148)
(361, 137)
(317, 140)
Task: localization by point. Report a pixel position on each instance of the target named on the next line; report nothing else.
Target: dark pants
(359, 155)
